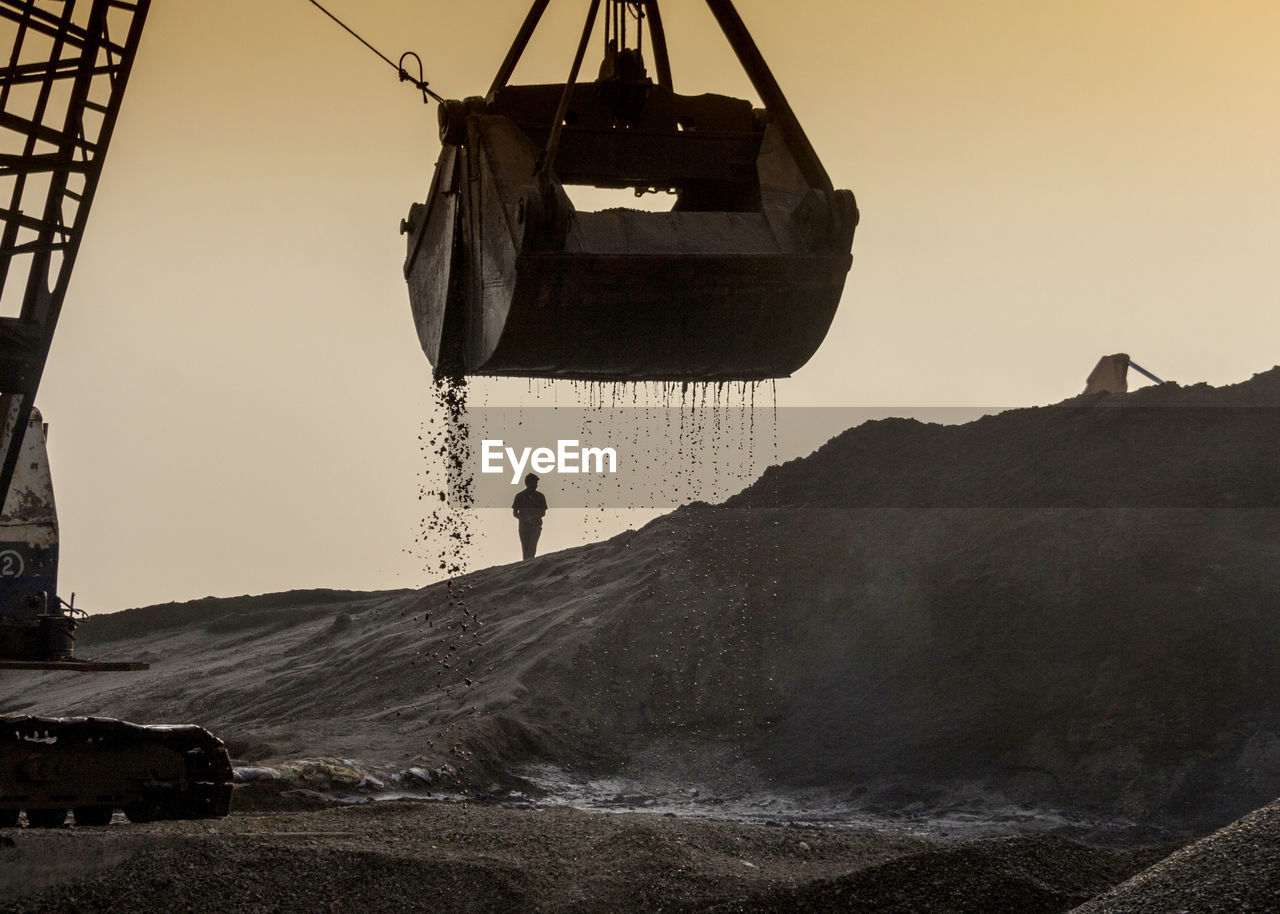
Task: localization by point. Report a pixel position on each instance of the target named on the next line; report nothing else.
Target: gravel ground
(1236, 869)
(1014, 875)
(400, 856)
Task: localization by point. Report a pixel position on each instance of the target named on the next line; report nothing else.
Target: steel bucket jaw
(739, 281)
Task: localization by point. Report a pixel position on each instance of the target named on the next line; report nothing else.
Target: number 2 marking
(10, 564)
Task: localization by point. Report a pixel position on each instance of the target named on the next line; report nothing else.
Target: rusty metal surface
(29, 555)
(429, 268)
(30, 503)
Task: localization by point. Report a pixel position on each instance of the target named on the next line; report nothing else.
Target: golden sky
(236, 389)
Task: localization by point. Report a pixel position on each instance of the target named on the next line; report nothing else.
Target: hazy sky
(236, 389)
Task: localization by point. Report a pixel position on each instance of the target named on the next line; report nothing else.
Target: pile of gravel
(1236, 869)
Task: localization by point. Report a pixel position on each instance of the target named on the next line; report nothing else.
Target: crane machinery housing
(60, 94)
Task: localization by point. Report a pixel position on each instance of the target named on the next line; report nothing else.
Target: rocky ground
(398, 856)
(1236, 869)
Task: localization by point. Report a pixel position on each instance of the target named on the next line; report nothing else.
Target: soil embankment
(1069, 609)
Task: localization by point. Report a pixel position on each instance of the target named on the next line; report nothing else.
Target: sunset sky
(236, 388)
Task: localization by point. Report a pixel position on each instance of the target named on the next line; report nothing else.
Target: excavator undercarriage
(94, 766)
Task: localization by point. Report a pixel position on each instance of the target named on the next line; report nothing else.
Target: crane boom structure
(60, 94)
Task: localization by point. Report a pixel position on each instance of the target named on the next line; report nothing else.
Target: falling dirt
(450, 626)
(447, 489)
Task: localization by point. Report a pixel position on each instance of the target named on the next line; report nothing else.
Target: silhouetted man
(529, 507)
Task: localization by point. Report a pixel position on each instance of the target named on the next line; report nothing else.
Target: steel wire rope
(419, 83)
(637, 10)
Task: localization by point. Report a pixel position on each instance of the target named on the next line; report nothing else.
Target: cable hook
(421, 81)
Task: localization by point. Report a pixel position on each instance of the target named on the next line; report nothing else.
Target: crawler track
(94, 766)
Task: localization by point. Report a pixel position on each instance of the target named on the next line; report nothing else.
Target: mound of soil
(1014, 875)
(1068, 608)
(1235, 869)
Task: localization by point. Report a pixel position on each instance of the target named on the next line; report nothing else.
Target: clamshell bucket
(739, 281)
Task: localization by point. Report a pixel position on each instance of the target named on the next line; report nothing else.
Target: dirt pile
(1067, 608)
(1233, 870)
(1159, 447)
(1013, 875)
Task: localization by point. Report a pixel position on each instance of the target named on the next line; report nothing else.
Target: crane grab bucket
(740, 280)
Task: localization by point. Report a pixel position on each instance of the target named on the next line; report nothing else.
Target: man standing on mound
(529, 507)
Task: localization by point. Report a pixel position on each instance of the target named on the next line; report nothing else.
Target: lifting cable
(546, 161)
(616, 15)
(420, 83)
(637, 10)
